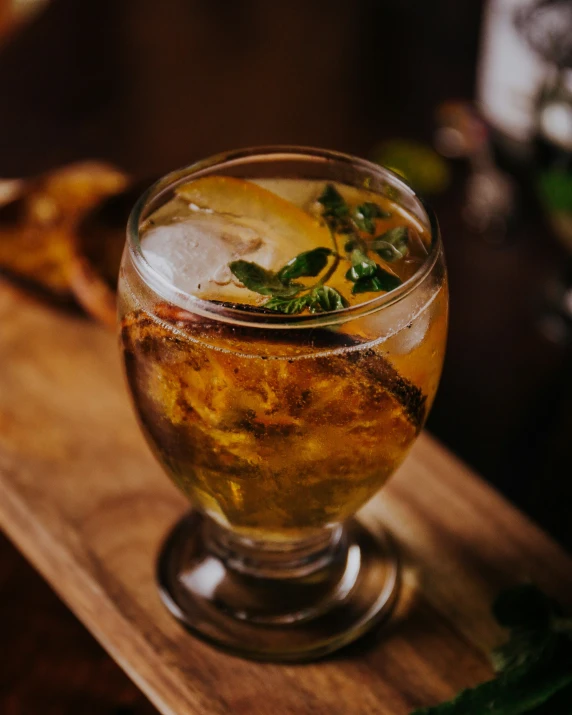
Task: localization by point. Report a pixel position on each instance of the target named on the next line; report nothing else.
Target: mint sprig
(319, 300)
(393, 245)
(368, 276)
(261, 280)
(287, 295)
(534, 666)
(365, 214)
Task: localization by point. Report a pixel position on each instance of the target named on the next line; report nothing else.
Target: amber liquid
(278, 433)
(268, 441)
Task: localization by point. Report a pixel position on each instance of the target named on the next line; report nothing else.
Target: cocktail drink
(283, 322)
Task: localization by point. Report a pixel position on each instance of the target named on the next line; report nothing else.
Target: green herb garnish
(364, 216)
(260, 280)
(380, 281)
(534, 667)
(326, 298)
(393, 245)
(367, 276)
(289, 306)
(320, 300)
(336, 212)
(309, 263)
(362, 266)
(287, 295)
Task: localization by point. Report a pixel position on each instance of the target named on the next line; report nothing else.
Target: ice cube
(194, 254)
(405, 322)
(413, 334)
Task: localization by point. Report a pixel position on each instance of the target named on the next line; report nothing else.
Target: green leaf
(336, 211)
(308, 263)
(362, 266)
(535, 664)
(523, 606)
(380, 281)
(365, 214)
(353, 243)
(393, 244)
(289, 306)
(321, 299)
(333, 202)
(260, 280)
(512, 693)
(525, 647)
(324, 299)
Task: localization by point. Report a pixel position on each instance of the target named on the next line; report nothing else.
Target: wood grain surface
(84, 500)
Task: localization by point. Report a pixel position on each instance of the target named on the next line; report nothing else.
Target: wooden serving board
(83, 499)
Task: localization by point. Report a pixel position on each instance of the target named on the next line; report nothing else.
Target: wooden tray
(83, 499)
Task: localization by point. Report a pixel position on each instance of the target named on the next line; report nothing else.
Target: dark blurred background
(151, 85)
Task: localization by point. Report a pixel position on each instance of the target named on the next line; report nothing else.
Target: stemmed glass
(279, 428)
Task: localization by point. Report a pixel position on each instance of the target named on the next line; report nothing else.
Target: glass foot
(279, 602)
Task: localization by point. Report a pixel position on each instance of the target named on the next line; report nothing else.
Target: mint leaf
(355, 242)
(324, 298)
(362, 266)
(260, 280)
(535, 665)
(288, 306)
(380, 281)
(393, 244)
(320, 300)
(336, 211)
(333, 202)
(510, 694)
(365, 214)
(308, 263)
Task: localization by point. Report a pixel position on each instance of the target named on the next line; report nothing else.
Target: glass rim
(252, 316)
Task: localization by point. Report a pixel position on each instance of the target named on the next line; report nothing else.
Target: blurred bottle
(509, 78)
(524, 91)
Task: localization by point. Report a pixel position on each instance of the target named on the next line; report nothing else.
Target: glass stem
(275, 560)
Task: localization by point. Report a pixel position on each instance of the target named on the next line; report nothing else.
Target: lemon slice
(294, 229)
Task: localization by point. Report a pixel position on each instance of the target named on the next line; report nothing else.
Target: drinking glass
(279, 428)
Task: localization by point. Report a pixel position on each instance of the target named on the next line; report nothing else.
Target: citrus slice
(294, 228)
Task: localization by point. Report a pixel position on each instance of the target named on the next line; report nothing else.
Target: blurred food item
(417, 163)
(99, 241)
(39, 219)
